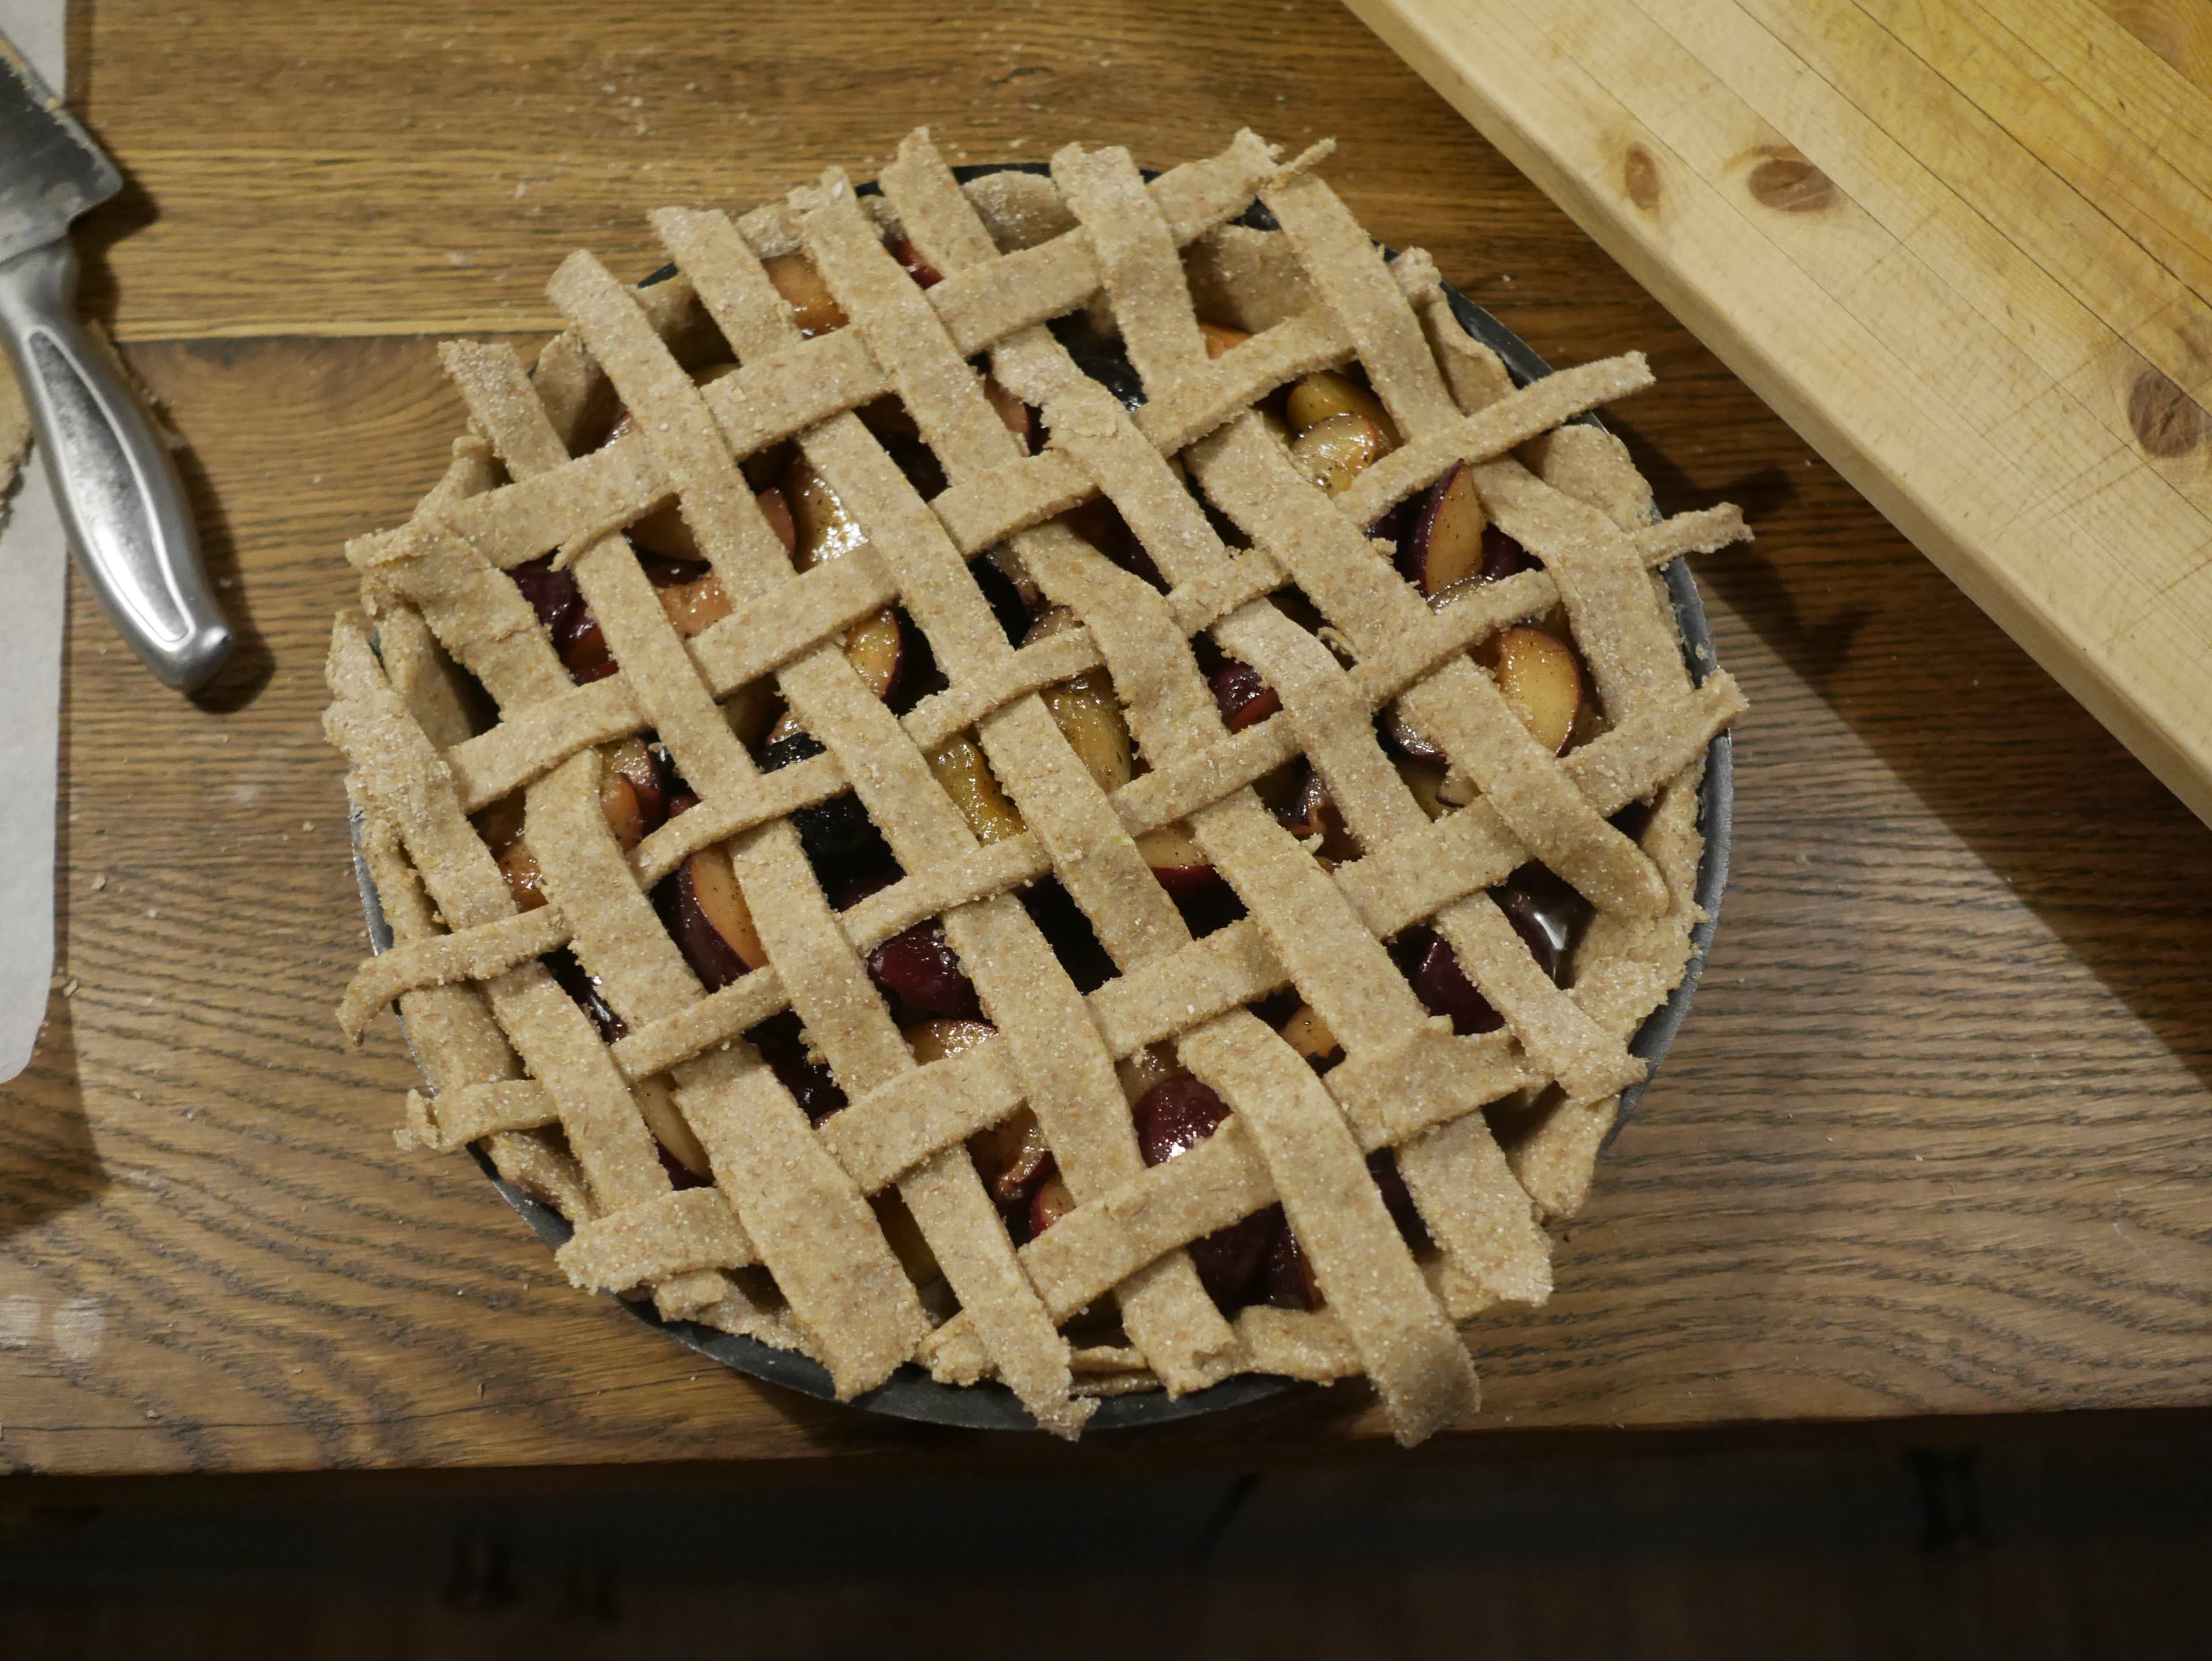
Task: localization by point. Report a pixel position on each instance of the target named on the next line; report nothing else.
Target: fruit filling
(1333, 427)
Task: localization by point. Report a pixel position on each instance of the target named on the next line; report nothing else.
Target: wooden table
(1932, 1142)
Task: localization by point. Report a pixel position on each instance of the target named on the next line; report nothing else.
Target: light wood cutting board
(1965, 250)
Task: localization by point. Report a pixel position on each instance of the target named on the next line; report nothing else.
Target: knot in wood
(2168, 421)
(1785, 181)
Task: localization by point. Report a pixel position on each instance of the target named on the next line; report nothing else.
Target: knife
(112, 479)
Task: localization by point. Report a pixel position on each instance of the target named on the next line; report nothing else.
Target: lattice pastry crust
(577, 1038)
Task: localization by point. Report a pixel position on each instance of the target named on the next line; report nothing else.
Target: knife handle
(116, 489)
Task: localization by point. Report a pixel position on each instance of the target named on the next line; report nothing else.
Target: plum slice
(1544, 911)
(916, 263)
(1446, 544)
(518, 863)
(1050, 1200)
(1541, 679)
(1502, 556)
(1244, 698)
(633, 795)
(1290, 1283)
(1172, 1117)
(934, 1040)
(1433, 787)
(781, 1043)
(1547, 914)
(1179, 864)
(919, 967)
(583, 988)
(1310, 812)
(1010, 1157)
(1101, 359)
(1004, 595)
(708, 917)
(1443, 986)
(577, 638)
(838, 835)
(1289, 1280)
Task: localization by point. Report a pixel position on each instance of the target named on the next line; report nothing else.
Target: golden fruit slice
(933, 1040)
(1307, 1033)
(749, 710)
(1537, 673)
(656, 1101)
(1092, 722)
(1090, 717)
(662, 531)
(786, 726)
(904, 1237)
(1178, 862)
(1141, 1070)
(695, 606)
(1325, 394)
(822, 529)
(813, 307)
(621, 798)
(1426, 781)
(499, 823)
(519, 865)
(1010, 409)
(1333, 452)
(1009, 1155)
(776, 509)
(876, 647)
(1220, 337)
(966, 776)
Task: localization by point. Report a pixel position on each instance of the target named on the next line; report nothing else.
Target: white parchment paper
(33, 591)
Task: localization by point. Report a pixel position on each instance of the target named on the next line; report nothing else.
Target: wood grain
(1966, 251)
(1931, 1143)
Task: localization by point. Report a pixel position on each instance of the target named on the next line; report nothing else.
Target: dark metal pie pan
(911, 1393)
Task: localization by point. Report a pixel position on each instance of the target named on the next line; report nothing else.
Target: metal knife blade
(50, 169)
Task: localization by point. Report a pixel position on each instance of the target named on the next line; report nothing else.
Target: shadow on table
(1312, 1412)
(47, 1160)
(2079, 830)
(2029, 1544)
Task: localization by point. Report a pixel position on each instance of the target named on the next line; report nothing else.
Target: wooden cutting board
(1965, 250)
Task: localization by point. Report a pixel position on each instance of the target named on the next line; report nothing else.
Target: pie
(1055, 778)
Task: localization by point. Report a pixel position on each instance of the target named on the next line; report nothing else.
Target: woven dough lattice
(680, 1148)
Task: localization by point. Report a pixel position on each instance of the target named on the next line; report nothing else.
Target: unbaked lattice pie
(1052, 778)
